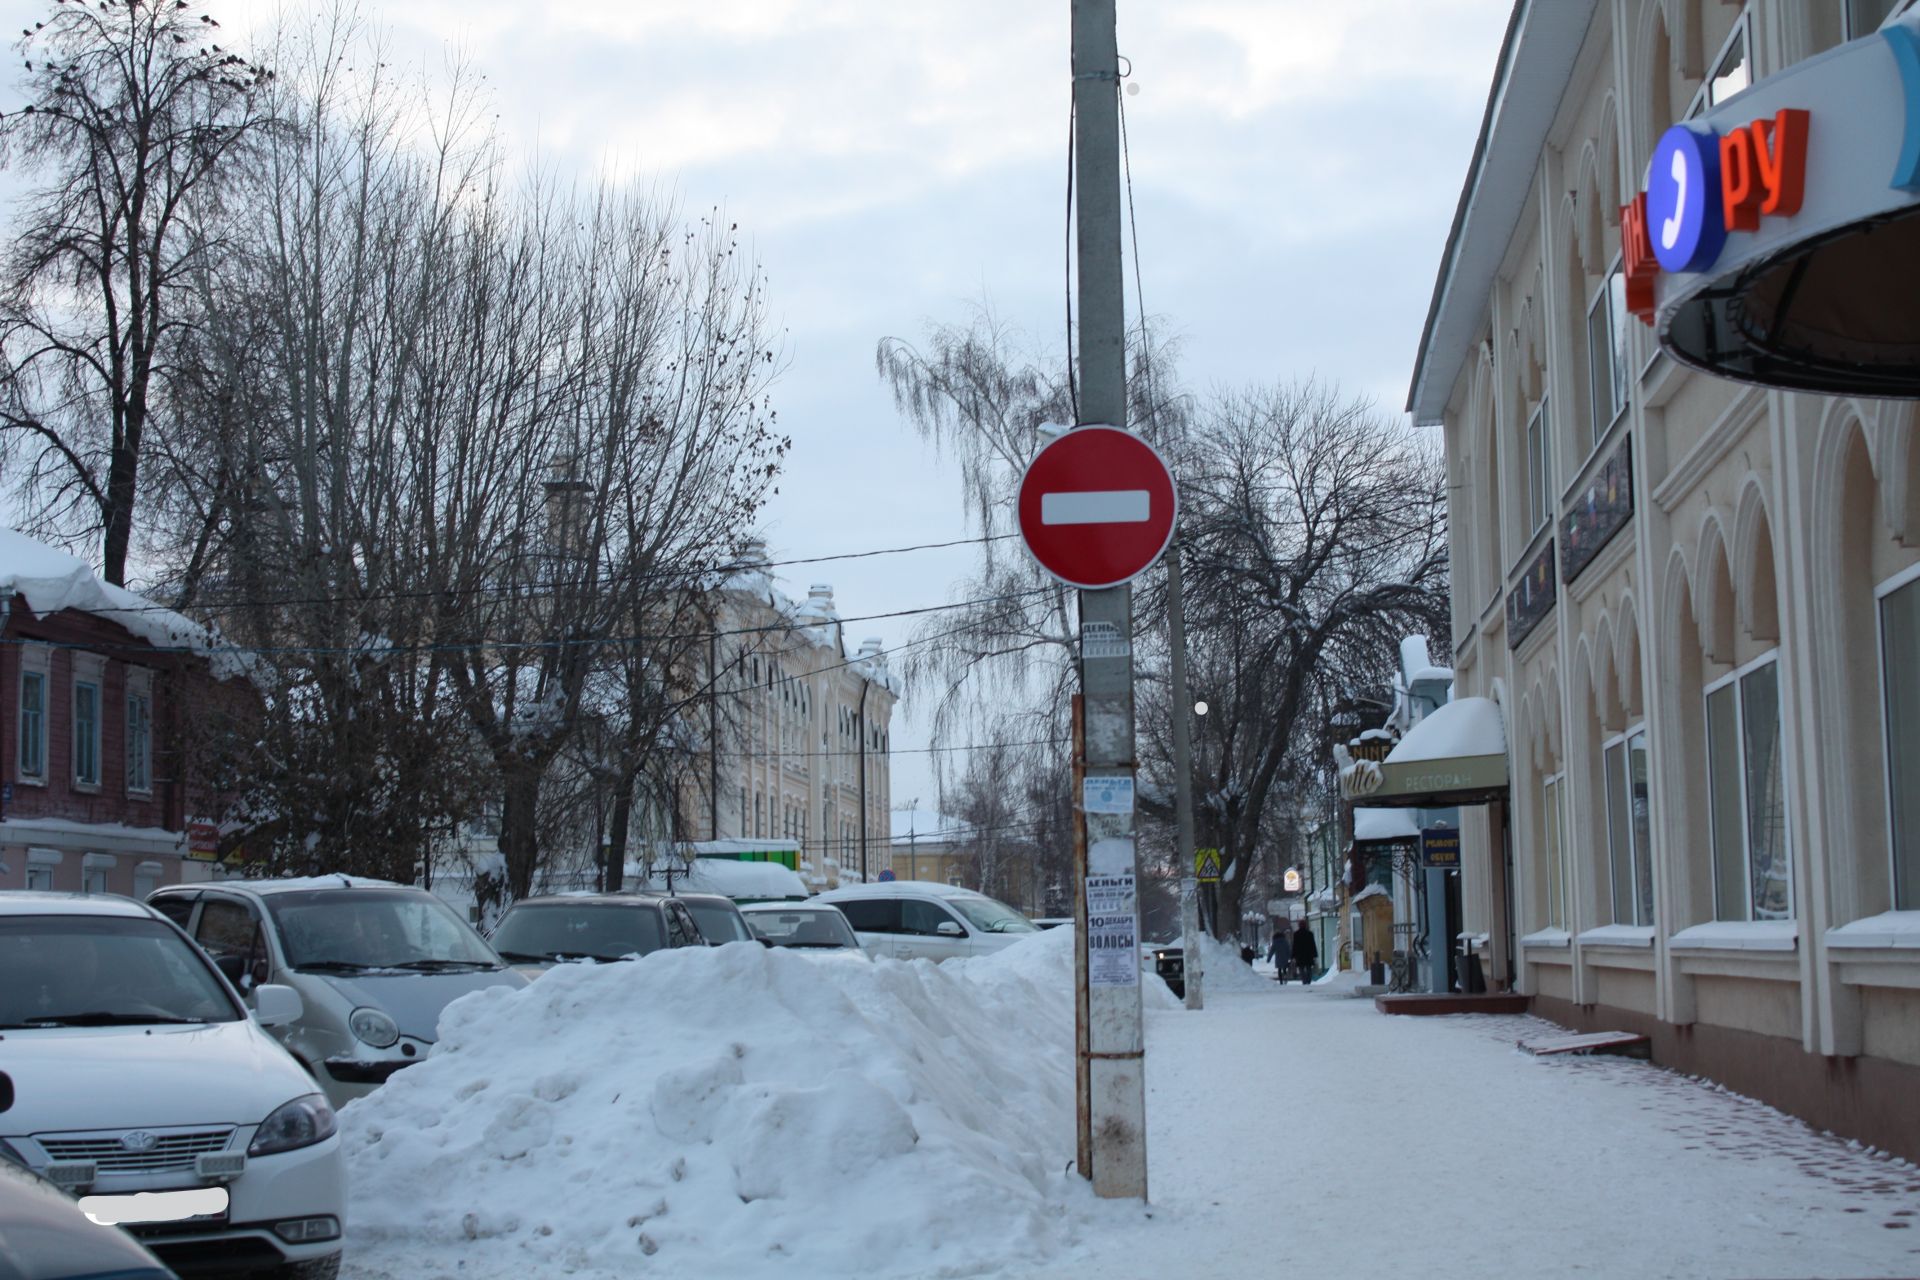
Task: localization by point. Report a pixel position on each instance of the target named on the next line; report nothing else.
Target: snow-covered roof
(731, 878)
(304, 884)
(1466, 727)
(52, 580)
(1384, 824)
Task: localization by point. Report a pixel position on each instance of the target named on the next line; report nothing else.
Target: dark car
(718, 916)
(538, 933)
(1170, 962)
(45, 1235)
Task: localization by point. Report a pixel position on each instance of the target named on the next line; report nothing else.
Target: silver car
(374, 963)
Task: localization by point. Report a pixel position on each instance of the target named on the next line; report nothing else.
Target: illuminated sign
(1700, 187)
(1291, 880)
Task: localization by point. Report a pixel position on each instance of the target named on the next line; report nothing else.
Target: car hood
(414, 1000)
(145, 1077)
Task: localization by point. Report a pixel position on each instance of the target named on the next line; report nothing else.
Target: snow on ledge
(1463, 727)
(1618, 935)
(1547, 938)
(1888, 929)
(1738, 935)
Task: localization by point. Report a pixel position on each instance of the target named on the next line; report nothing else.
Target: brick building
(100, 694)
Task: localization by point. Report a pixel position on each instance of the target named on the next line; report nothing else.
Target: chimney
(820, 598)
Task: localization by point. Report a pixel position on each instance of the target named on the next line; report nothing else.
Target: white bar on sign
(1096, 506)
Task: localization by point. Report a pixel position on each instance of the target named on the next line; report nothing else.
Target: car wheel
(317, 1269)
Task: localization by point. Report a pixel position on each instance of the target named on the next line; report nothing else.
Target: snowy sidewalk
(1296, 1132)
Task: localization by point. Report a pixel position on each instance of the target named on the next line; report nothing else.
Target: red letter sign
(1638, 265)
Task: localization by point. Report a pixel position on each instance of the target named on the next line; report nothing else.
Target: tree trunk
(519, 803)
(616, 851)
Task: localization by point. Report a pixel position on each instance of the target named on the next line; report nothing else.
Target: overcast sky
(895, 163)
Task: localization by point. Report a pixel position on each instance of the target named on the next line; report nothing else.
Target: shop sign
(1291, 880)
(1531, 598)
(1701, 186)
(1602, 512)
(1440, 848)
(203, 841)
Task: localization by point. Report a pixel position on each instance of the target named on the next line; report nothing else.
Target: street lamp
(1200, 707)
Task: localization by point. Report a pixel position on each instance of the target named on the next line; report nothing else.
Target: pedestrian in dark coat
(1280, 952)
(1306, 953)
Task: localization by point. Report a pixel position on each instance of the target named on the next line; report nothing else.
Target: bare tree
(1315, 539)
(133, 117)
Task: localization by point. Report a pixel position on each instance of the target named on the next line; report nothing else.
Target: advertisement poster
(1113, 943)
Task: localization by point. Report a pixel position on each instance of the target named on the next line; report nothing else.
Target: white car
(810, 926)
(142, 1087)
(924, 920)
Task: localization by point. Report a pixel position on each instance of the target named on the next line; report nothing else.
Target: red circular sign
(1097, 507)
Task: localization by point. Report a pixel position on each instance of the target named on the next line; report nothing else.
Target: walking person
(1306, 953)
(1280, 952)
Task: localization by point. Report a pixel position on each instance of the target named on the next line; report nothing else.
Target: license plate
(199, 1205)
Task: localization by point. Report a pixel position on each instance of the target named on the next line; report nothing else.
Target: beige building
(1695, 601)
(803, 750)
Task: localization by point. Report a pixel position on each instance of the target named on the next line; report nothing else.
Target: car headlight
(300, 1123)
(372, 1027)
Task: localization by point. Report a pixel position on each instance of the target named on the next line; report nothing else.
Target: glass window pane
(1619, 837)
(1723, 802)
(1865, 16)
(1599, 369)
(1772, 873)
(1733, 74)
(1556, 865)
(1534, 504)
(1617, 328)
(1900, 650)
(1642, 803)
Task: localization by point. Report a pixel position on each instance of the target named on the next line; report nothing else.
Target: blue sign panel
(1440, 848)
(1683, 200)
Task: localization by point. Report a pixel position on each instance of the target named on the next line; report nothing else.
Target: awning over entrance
(1457, 755)
(1786, 225)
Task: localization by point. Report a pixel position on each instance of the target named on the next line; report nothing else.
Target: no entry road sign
(1097, 507)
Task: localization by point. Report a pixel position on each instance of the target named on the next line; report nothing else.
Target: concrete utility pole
(1114, 1103)
(1194, 971)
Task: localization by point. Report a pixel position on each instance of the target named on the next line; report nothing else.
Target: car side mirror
(950, 929)
(6, 1091)
(276, 1006)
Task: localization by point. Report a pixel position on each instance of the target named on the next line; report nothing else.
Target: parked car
(1051, 922)
(1170, 962)
(923, 920)
(537, 933)
(718, 917)
(141, 1085)
(811, 925)
(374, 963)
(44, 1235)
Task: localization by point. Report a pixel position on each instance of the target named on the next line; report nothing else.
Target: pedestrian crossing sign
(1206, 864)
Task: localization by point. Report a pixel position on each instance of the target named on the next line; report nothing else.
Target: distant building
(103, 696)
(931, 846)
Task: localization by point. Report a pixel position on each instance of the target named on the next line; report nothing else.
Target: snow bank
(733, 1111)
(1224, 970)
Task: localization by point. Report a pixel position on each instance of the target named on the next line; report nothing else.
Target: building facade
(1695, 601)
(801, 743)
(101, 693)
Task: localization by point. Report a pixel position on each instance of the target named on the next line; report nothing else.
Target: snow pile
(732, 1111)
(1224, 970)
(1463, 727)
(52, 580)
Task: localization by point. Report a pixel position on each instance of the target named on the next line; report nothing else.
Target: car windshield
(597, 931)
(989, 916)
(101, 971)
(719, 922)
(803, 927)
(348, 929)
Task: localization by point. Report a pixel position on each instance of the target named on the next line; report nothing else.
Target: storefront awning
(1455, 756)
(1784, 226)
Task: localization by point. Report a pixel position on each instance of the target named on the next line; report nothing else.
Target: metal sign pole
(1116, 1099)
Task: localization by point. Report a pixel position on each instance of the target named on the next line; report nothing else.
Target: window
(1556, 854)
(86, 733)
(177, 907)
(40, 865)
(93, 871)
(1732, 72)
(1606, 352)
(33, 725)
(759, 815)
(1864, 17)
(139, 731)
(1629, 828)
(921, 917)
(1746, 798)
(872, 915)
(1900, 681)
(1539, 470)
(146, 878)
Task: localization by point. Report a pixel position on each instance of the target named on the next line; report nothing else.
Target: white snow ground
(740, 1112)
